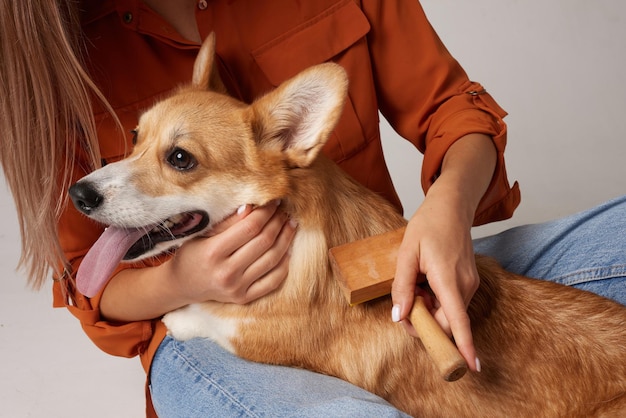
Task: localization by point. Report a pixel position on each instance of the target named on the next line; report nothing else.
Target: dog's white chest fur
(222, 323)
(196, 320)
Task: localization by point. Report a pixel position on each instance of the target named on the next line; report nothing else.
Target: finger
(408, 327)
(242, 212)
(441, 319)
(461, 330)
(268, 272)
(430, 301)
(271, 258)
(453, 307)
(404, 284)
(247, 229)
(269, 282)
(260, 246)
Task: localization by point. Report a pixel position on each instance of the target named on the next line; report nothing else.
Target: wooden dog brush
(365, 270)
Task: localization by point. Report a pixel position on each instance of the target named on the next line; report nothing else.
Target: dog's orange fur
(546, 350)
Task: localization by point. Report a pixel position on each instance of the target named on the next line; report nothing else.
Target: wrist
(138, 294)
(466, 172)
(450, 198)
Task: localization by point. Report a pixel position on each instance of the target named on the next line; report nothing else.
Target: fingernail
(477, 365)
(241, 209)
(277, 202)
(293, 223)
(395, 313)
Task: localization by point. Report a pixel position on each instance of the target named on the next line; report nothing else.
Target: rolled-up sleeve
(127, 339)
(428, 98)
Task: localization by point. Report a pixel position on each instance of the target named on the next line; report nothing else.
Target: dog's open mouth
(178, 226)
(117, 244)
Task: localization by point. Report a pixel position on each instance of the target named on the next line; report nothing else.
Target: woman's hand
(437, 244)
(245, 257)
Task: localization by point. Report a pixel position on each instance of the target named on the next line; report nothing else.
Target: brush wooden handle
(441, 349)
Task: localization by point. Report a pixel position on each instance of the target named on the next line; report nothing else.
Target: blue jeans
(586, 250)
(197, 378)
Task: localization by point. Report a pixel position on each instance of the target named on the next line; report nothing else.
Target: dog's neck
(325, 198)
(331, 209)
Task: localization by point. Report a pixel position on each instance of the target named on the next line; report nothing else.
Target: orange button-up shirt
(395, 62)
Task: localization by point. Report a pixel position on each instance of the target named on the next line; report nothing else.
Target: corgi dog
(546, 350)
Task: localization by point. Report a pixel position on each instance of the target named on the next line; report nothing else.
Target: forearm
(466, 173)
(139, 294)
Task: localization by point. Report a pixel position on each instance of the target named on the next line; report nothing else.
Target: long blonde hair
(45, 115)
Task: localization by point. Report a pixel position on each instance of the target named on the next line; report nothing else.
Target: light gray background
(557, 67)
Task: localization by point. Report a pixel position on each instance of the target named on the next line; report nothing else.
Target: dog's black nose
(85, 197)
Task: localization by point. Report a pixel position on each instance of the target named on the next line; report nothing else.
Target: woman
(73, 84)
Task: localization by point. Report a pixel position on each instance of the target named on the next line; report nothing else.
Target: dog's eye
(181, 159)
(134, 133)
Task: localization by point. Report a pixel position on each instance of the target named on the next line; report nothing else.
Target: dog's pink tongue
(103, 258)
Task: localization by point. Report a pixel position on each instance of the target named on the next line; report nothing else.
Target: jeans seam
(211, 381)
(591, 274)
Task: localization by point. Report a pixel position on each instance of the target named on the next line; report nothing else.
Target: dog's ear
(205, 73)
(298, 117)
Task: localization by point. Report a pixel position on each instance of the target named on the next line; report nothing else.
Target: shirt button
(128, 17)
